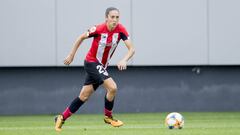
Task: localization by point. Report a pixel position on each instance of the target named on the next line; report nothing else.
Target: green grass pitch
(196, 123)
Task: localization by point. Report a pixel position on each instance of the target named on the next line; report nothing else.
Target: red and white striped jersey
(104, 42)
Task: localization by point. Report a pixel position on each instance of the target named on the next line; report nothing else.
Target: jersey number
(101, 70)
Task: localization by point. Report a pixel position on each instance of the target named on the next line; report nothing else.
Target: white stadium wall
(224, 31)
(27, 33)
(176, 32)
(170, 32)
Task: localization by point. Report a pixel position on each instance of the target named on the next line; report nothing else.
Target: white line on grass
(79, 127)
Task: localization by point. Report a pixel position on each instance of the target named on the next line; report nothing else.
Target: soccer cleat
(59, 122)
(113, 122)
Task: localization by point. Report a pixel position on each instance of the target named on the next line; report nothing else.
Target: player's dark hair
(110, 9)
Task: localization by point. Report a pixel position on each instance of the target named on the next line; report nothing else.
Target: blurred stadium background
(187, 55)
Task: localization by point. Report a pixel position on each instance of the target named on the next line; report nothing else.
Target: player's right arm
(68, 60)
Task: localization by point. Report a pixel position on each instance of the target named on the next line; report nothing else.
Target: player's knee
(84, 97)
(113, 89)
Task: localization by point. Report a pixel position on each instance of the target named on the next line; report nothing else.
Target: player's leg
(99, 74)
(85, 93)
(111, 88)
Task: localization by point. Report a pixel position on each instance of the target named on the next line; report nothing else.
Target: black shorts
(96, 74)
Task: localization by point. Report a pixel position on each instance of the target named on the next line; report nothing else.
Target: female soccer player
(106, 37)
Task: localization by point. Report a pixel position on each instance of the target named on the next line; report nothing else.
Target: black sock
(75, 105)
(108, 104)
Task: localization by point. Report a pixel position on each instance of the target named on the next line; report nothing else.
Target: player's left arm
(122, 65)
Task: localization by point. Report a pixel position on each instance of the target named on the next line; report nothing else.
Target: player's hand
(68, 60)
(122, 65)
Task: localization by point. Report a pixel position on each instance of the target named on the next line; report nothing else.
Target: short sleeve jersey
(104, 42)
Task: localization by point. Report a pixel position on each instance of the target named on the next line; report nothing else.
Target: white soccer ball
(174, 120)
